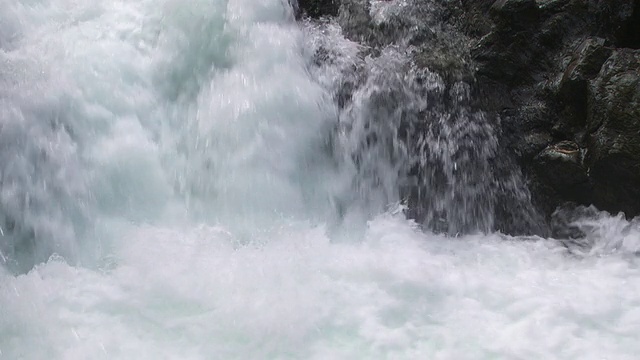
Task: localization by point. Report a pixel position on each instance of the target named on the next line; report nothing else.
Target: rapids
(178, 181)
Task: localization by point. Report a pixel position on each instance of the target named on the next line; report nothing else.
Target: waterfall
(214, 179)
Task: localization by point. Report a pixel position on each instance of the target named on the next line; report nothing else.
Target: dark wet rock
(629, 34)
(445, 59)
(586, 61)
(566, 159)
(614, 144)
(525, 131)
(555, 73)
(514, 14)
(557, 78)
(356, 22)
(316, 8)
(585, 65)
(561, 167)
(614, 95)
(456, 179)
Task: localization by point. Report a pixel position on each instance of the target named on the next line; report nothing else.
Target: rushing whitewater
(182, 180)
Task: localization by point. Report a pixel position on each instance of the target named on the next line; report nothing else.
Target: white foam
(396, 293)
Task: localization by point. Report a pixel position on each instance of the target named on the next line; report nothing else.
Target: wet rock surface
(614, 133)
(316, 8)
(412, 99)
(565, 72)
(557, 80)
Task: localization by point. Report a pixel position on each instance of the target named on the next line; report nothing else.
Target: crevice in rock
(630, 34)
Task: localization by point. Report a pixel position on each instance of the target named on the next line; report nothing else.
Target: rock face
(316, 8)
(413, 96)
(613, 124)
(559, 72)
(561, 78)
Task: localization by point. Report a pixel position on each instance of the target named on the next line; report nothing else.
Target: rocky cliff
(560, 78)
(564, 78)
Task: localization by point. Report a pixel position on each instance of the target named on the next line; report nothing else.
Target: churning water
(178, 181)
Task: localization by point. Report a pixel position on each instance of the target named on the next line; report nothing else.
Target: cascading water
(211, 179)
(411, 131)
